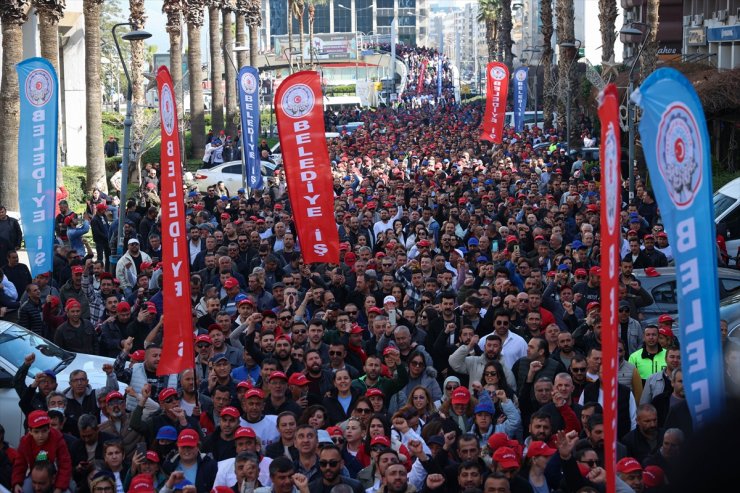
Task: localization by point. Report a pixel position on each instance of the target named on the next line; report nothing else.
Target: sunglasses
(353, 312)
(591, 463)
(286, 318)
(335, 353)
(451, 387)
(502, 322)
(203, 345)
(299, 331)
(363, 410)
(416, 363)
(490, 374)
(170, 400)
(578, 370)
(328, 463)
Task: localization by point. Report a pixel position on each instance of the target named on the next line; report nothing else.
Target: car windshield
(721, 203)
(16, 343)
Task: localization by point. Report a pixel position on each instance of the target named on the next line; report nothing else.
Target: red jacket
(57, 452)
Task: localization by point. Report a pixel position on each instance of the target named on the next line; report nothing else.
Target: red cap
(152, 456)
(376, 310)
(231, 283)
(254, 393)
(423, 243)
(278, 207)
(652, 272)
(665, 331)
(511, 238)
(278, 375)
(390, 349)
(225, 215)
(221, 489)
(538, 448)
(145, 265)
(581, 272)
(138, 356)
(344, 246)
(497, 440)
(298, 379)
(72, 303)
(38, 418)
(166, 393)
(628, 465)
(662, 234)
(506, 457)
(648, 237)
(142, 483)
(101, 207)
(592, 208)
(595, 270)
(123, 306)
(230, 411)
(460, 395)
(653, 476)
(245, 432)
(380, 440)
(592, 305)
(631, 232)
(356, 329)
(245, 301)
(203, 338)
(244, 385)
(374, 392)
(188, 438)
(113, 395)
(77, 269)
(335, 431)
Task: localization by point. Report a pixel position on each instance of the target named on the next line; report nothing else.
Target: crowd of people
(455, 347)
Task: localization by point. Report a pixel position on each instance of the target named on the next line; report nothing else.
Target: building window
(278, 17)
(365, 13)
(321, 23)
(384, 4)
(342, 19)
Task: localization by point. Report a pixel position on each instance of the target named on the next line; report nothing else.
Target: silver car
(16, 343)
(663, 290)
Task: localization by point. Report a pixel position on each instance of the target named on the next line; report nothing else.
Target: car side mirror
(6, 379)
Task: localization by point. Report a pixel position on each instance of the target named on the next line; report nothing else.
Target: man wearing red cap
(220, 444)
(114, 330)
(41, 438)
(76, 334)
(199, 469)
(72, 289)
(118, 424)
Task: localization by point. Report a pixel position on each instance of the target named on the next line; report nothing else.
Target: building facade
(711, 33)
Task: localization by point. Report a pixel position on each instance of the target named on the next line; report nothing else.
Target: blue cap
(484, 407)
(445, 160)
(224, 197)
(634, 214)
(193, 194)
(488, 182)
(472, 241)
(239, 297)
(482, 258)
(346, 178)
(577, 244)
(241, 190)
(50, 374)
(218, 357)
(634, 220)
(474, 180)
(167, 433)
(563, 267)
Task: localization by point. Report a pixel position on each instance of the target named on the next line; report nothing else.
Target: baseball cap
(50, 374)
(592, 305)
(628, 465)
(506, 458)
(665, 319)
(665, 331)
(651, 272)
(138, 356)
(77, 269)
(389, 299)
(497, 440)
(187, 438)
(132, 241)
(254, 393)
(595, 270)
(101, 207)
(231, 283)
(580, 271)
(624, 304)
(653, 476)
(230, 411)
(356, 329)
(38, 418)
(218, 357)
(152, 456)
(374, 392)
(203, 338)
(538, 448)
(460, 395)
(167, 432)
(335, 431)
(298, 379)
(72, 303)
(472, 241)
(141, 483)
(123, 306)
(278, 375)
(113, 395)
(245, 432)
(483, 407)
(166, 393)
(380, 440)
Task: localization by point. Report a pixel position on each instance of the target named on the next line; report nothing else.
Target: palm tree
(217, 65)
(566, 33)
(607, 19)
(297, 9)
(50, 12)
(650, 51)
(194, 20)
(547, 30)
(241, 36)
(505, 41)
(311, 18)
(488, 13)
(227, 13)
(12, 15)
(94, 137)
(254, 21)
(173, 10)
(137, 17)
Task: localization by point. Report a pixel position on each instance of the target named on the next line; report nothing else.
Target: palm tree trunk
(311, 19)
(217, 69)
(650, 52)
(94, 139)
(290, 37)
(13, 16)
(607, 19)
(491, 39)
(254, 20)
(505, 41)
(547, 80)
(50, 12)
(197, 121)
(300, 30)
(173, 9)
(229, 73)
(137, 17)
(566, 32)
(242, 59)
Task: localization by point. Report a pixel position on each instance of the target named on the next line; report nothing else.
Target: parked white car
(230, 173)
(727, 216)
(16, 343)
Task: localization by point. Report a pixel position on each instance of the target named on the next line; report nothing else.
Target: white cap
(459, 252)
(133, 240)
(389, 299)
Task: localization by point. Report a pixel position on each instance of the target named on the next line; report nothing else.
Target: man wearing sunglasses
(330, 465)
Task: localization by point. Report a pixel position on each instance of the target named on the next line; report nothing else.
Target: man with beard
(589, 290)
(76, 334)
(282, 354)
(213, 307)
(595, 438)
(660, 382)
(666, 457)
(396, 480)
(219, 376)
(330, 465)
(278, 401)
(465, 361)
(170, 414)
(372, 379)
(669, 400)
(513, 346)
(114, 330)
(142, 373)
(264, 425)
(320, 379)
(650, 358)
(565, 353)
(118, 424)
(72, 290)
(245, 441)
(220, 443)
(218, 338)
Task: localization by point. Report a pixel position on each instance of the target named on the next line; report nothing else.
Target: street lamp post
(357, 30)
(238, 49)
(631, 116)
(534, 52)
(128, 122)
(575, 44)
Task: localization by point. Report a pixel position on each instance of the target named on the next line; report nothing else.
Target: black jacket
(206, 475)
(317, 485)
(334, 410)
